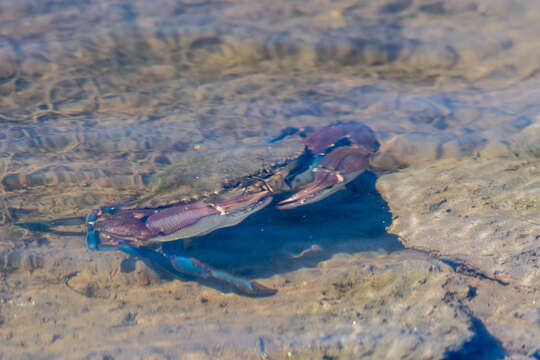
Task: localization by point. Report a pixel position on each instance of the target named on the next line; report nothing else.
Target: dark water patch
(273, 241)
(395, 6)
(21, 84)
(521, 122)
(483, 345)
(435, 8)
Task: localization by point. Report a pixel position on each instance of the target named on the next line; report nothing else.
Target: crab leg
(180, 267)
(49, 226)
(195, 268)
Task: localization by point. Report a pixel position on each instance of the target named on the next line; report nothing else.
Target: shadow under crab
(272, 242)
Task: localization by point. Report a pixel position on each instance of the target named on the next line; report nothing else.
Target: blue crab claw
(197, 269)
(331, 174)
(190, 268)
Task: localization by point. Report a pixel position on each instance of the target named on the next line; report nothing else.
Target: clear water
(97, 97)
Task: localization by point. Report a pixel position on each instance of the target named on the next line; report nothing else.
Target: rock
(480, 213)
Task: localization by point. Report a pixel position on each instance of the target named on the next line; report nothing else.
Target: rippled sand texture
(102, 100)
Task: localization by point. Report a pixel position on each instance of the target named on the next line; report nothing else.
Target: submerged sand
(98, 100)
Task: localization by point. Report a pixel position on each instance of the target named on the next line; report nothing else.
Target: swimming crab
(333, 155)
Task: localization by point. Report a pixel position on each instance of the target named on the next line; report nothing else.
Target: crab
(333, 156)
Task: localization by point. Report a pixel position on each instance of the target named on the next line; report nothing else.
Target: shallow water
(98, 98)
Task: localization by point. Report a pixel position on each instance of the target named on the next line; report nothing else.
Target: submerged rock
(480, 213)
(482, 216)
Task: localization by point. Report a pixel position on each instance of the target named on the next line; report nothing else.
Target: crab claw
(326, 183)
(197, 269)
(332, 173)
(190, 268)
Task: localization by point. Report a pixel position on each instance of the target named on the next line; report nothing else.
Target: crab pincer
(193, 267)
(330, 175)
(188, 268)
(336, 154)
